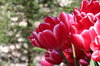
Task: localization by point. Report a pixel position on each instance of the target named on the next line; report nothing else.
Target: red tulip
(53, 57)
(83, 37)
(84, 28)
(52, 33)
(95, 45)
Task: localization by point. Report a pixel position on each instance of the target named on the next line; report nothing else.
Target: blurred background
(18, 18)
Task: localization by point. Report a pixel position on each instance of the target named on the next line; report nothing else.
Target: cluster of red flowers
(80, 29)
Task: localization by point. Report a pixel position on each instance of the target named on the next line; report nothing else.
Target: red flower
(83, 32)
(82, 28)
(53, 57)
(95, 45)
(52, 33)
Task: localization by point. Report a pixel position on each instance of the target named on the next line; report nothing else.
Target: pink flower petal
(86, 22)
(78, 41)
(94, 47)
(97, 27)
(96, 55)
(84, 5)
(64, 19)
(44, 26)
(87, 39)
(41, 39)
(92, 33)
(50, 21)
(50, 39)
(60, 33)
(34, 41)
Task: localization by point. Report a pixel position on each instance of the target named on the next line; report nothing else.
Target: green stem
(64, 57)
(74, 55)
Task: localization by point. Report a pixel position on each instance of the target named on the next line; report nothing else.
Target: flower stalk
(74, 55)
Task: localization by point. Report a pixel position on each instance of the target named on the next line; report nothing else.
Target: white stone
(25, 51)
(14, 18)
(65, 2)
(20, 39)
(25, 45)
(18, 46)
(15, 53)
(24, 58)
(23, 23)
(4, 49)
(12, 47)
